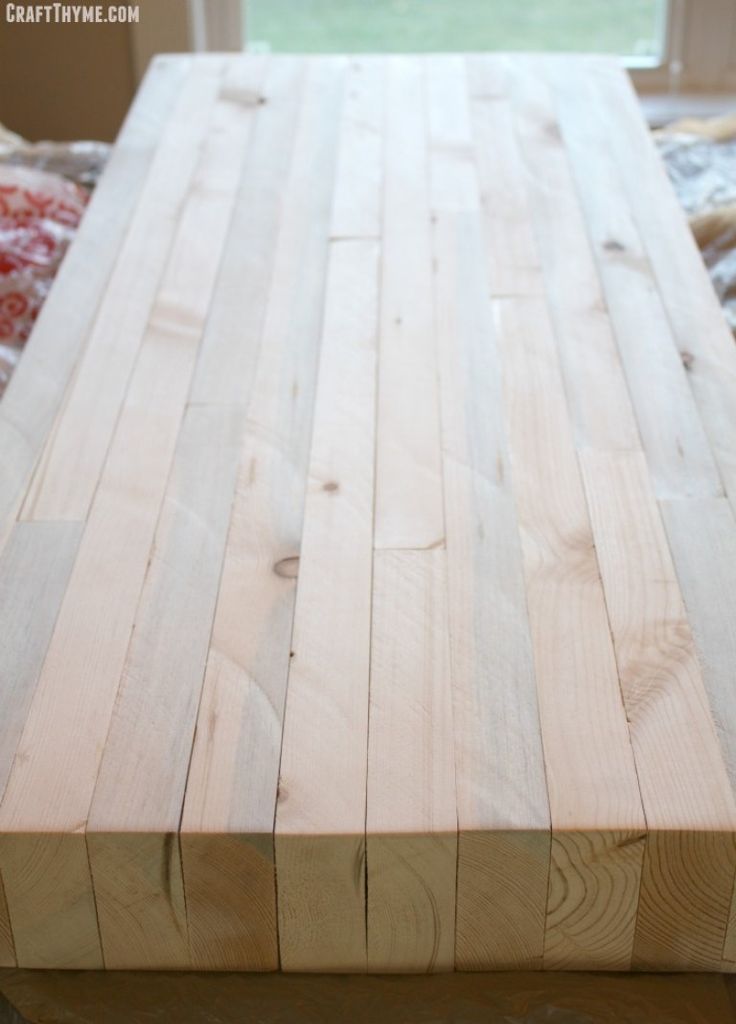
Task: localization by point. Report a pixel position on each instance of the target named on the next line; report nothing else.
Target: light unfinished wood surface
(368, 551)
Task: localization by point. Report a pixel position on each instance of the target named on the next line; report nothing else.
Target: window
(670, 45)
(635, 29)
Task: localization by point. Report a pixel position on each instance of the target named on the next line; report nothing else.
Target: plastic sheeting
(98, 997)
(79, 162)
(39, 214)
(44, 188)
(700, 157)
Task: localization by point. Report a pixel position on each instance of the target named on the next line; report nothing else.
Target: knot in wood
(287, 567)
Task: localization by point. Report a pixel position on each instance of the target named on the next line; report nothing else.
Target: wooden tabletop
(368, 572)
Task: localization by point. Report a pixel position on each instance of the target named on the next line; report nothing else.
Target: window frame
(217, 25)
(699, 53)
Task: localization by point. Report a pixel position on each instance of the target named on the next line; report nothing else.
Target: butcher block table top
(368, 580)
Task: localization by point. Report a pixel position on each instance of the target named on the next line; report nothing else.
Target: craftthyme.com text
(72, 14)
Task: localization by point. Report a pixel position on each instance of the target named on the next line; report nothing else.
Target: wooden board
(320, 846)
(411, 821)
(504, 829)
(234, 773)
(597, 824)
(35, 395)
(367, 538)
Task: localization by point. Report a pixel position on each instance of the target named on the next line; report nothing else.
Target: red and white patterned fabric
(39, 214)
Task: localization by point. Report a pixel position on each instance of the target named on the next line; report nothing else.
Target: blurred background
(69, 81)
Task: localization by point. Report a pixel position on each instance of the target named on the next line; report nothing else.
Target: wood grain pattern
(67, 475)
(600, 411)
(701, 534)
(233, 776)
(36, 391)
(320, 821)
(320, 834)
(132, 829)
(412, 817)
(703, 338)
(50, 900)
(34, 572)
(702, 538)
(133, 843)
(367, 539)
(678, 454)
(591, 775)
(515, 266)
(500, 913)
(356, 207)
(409, 511)
(594, 888)
(228, 355)
(689, 807)
(71, 711)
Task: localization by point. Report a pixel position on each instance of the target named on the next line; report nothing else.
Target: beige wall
(77, 81)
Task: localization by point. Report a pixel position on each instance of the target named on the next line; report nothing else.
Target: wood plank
(596, 812)
(513, 258)
(139, 896)
(409, 512)
(453, 177)
(320, 817)
(691, 849)
(320, 841)
(49, 899)
(601, 415)
(356, 208)
(411, 819)
(674, 440)
(35, 393)
(152, 730)
(136, 808)
(65, 480)
(228, 356)
(702, 538)
(34, 570)
(504, 828)
(235, 762)
(702, 335)
(502, 885)
(49, 791)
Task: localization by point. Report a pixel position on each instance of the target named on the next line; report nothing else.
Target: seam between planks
(376, 387)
